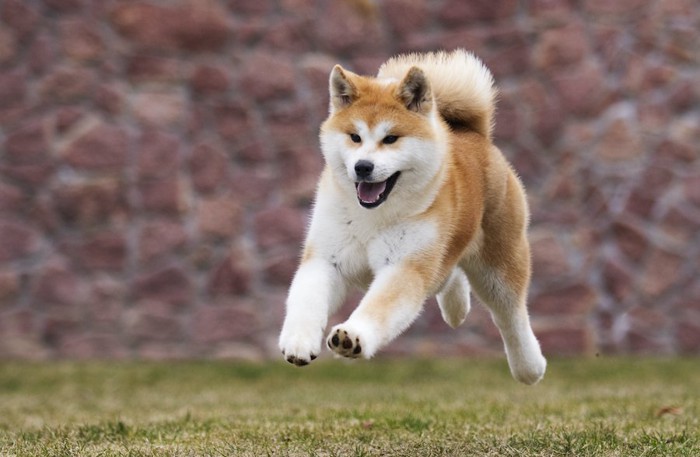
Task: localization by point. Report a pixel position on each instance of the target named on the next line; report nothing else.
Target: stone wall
(158, 160)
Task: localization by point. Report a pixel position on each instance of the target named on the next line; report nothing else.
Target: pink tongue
(369, 192)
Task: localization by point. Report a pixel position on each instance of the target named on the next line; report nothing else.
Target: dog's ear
(343, 92)
(414, 91)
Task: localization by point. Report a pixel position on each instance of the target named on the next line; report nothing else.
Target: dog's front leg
(316, 291)
(391, 304)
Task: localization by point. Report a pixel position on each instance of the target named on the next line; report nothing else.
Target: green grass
(625, 407)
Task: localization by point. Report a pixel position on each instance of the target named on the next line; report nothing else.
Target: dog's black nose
(363, 169)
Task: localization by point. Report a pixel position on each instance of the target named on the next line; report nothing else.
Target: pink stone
(346, 27)
(209, 79)
(575, 299)
(151, 320)
(561, 46)
(227, 322)
(406, 16)
(232, 276)
(102, 147)
(458, 12)
(160, 237)
(160, 107)
(688, 337)
(158, 154)
(209, 167)
(20, 16)
(266, 76)
(582, 90)
(566, 340)
(17, 240)
(549, 258)
(142, 68)
(11, 198)
(219, 216)
(631, 240)
(662, 271)
(92, 202)
(81, 40)
(10, 288)
(170, 285)
(59, 287)
(279, 269)
(13, 87)
(166, 195)
(232, 120)
(27, 145)
(68, 83)
(103, 251)
(191, 27)
(280, 226)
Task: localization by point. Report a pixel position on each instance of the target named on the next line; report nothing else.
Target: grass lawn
(455, 407)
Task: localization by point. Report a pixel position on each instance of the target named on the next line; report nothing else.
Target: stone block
(165, 108)
(18, 240)
(191, 26)
(8, 46)
(171, 285)
(209, 79)
(456, 12)
(158, 154)
(688, 337)
(561, 46)
(348, 28)
(582, 89)
(232, 321)
(91, 203)
(575, 299)
(151, 320)
(167, 195)
(219, 216)
(100, 147)
(662, 271)
(405, 16)
(20, 16)
(148, 68)
(572, 339)
(59, 289)
(68, 84)
(160, 237)
(12, 199)
(266, 76)
(631, 240)
(279, 226)
(81, 40)
(10, 288)
(13, 87)
(28, 145)
(102, 251)
(209, 167)
(231, 276)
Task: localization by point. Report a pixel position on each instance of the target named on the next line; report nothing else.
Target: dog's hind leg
(503, 289)
(453, 298)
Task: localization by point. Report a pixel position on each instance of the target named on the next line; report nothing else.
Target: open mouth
(373, 194)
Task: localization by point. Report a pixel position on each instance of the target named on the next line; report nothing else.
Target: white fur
(348, 245)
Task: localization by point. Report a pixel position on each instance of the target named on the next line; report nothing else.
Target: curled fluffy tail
(461, 84)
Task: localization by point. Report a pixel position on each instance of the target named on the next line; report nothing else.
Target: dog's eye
(355, 138)
(390, 139)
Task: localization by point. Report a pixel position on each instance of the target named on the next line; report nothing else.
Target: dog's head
(382, 136)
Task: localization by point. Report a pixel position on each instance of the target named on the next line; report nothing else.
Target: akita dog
(414, 201)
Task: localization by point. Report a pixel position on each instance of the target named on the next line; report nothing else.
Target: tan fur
(469, 217)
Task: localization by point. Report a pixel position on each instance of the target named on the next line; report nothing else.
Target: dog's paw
(343, 343)
(300, 348)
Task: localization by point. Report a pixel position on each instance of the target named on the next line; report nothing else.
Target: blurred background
(158, 161)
